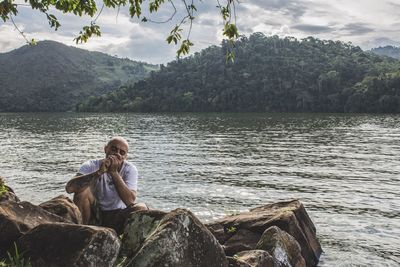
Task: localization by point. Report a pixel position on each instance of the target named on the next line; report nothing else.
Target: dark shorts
(114, 219)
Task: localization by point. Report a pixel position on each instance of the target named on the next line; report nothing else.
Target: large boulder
(289, 216)
(174, 239)
(65, 245)
(63, 207)
(282, 246)
(17, 218)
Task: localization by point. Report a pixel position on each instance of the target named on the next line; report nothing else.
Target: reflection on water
(344, 168)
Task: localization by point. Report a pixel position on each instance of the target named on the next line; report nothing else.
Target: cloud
(363, 23)
(290, 8)
(356, 29)
(312, 29)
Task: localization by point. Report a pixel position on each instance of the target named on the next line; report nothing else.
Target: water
(344, 168)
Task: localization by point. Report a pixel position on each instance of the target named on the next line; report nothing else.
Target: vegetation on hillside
(54, 77)
(269, 74)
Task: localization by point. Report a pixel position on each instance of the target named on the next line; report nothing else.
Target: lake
(344, 168)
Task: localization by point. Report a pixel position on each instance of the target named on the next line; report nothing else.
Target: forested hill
(54, 77)
(390, 51)
(269, 74)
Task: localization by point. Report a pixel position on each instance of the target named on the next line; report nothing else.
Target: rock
(282, 246)
(6, 192)
(235, 262)
(9, 195)
(63, 207)
(17, 218)
(243, 239)
(65, 245)
(256, 258)
(220, 233)
(134, 236)
(289, 216)
(174, 239)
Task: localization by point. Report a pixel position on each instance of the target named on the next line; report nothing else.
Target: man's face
(117, 148)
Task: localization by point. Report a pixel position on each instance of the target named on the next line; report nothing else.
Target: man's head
(117, 146)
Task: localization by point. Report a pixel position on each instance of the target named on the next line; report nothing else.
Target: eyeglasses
(115, 149)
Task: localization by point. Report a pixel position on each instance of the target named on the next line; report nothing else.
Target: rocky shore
(51, 234)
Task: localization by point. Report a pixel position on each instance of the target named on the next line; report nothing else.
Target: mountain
(390, 51)
(269, 74)
(54, 77)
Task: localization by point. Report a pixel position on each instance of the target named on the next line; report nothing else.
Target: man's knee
(138, 206)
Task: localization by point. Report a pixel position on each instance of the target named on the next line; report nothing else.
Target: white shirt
(105, 192)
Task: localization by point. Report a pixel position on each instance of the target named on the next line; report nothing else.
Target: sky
(365, 23)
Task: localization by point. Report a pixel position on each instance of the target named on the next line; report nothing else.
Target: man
(105, 189)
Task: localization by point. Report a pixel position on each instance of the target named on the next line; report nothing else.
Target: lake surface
(344, 168)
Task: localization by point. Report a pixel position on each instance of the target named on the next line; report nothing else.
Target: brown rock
(220, 232)
(178, 239)
(289, 216)
(63, 207)
(282, 246)
(256, 258)
(65, 245)
(17, 218)
(243, 239)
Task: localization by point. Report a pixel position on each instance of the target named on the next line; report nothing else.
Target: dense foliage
(269, 74)
(54, 77)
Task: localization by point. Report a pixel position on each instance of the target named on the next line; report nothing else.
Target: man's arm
(127, 195)
(80, 182)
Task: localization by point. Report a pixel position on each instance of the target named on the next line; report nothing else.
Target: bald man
(105, 189)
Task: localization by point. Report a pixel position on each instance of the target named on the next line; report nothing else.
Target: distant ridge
(389, 51)
(54, 77)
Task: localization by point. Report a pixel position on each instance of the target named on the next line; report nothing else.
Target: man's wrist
(99, 172)
(114, 174)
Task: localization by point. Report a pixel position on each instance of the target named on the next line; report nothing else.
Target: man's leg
(84, 200)
(116, 218)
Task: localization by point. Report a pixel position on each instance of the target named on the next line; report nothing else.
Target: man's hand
(105, 165)
(115, 164)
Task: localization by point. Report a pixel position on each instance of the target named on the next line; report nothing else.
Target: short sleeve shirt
(105, 192)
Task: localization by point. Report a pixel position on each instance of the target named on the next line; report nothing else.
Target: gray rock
(282, 246)
(65, 245)
(134, 236)
(178, 239)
